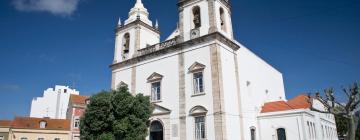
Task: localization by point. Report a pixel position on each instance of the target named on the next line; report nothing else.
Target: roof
(299, 102)
(77, 99)
(5, 123)
(34, 123)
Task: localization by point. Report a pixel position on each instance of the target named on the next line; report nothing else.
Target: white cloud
(56, 7)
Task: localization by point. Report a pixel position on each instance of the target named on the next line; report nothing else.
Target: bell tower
(137, 32)
(202, 17)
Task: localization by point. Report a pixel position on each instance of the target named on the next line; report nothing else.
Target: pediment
(122, 84)
(196, 67)
(154, 77)
(160, 110)
(198, 110)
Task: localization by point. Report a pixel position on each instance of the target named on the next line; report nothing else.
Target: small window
(253, 134)
(200, 128)
(42, 124)
(126, 45)
(65, 90)
(281, 134)
(23, 138)
(40, 138)
(77, 123)
(1, 137)
(222, 20)
(196, 17)
(155, 91)
(57, 139)
(198, 82)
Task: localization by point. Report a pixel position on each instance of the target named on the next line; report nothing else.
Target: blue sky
(315, 44)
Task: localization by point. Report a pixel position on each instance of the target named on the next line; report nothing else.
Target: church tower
(136, 33)
(202, 17)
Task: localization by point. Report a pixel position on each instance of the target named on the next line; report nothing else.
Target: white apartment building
(53, 104)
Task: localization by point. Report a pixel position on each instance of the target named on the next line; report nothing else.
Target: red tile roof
(34, 123)
(77, 99)
(299, 102)
(5, 123)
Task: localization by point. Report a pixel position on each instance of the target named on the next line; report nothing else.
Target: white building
(53, 104)
(203, 83)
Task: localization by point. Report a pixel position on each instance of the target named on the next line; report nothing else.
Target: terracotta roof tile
(34, 123)
(299, 102)
(77, 99)
(5, 123)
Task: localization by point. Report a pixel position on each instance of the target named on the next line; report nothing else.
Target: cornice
(181, 3)
(135, 23)
(157, 50)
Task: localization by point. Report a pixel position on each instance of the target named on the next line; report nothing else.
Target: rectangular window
(1, 137)
(155, 91)
(200, 128)
(77, 123)
(40, 138)
(198, 83)
(57, 139)
(23, 138)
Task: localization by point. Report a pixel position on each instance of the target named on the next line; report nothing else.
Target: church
(204, 84)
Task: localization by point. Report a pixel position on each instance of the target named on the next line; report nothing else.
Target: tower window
(126, 43)
(222, 19)
(196, 17)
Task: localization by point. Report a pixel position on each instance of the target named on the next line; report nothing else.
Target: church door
(156, 131)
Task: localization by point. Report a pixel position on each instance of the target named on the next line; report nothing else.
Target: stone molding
(166, 111)
(196, 67)
(182, 3)
(216, 36)
(154, 77)
(182, 96)
(217, 93)
(136, 22)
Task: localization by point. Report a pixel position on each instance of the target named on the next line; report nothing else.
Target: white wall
(296, 124)
(53, 104)
(259, 83)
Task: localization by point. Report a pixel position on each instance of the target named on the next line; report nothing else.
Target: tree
(347, 111)
(116, 115)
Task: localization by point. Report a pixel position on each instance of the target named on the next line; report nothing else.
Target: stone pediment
(154, 77)
(198, 110)
(122, 84)
(159, 110)
(196, 67)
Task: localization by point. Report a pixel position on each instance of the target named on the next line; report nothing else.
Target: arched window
(196, 17)
(281, 134)
(253, 133)
(126, 43)
(222, 19)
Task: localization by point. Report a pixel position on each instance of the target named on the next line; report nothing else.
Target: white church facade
(203, 83)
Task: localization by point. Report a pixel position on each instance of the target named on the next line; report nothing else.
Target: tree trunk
(352, 128)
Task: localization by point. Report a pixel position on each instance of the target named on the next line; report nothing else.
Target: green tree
(347, 111)
(116, 115)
